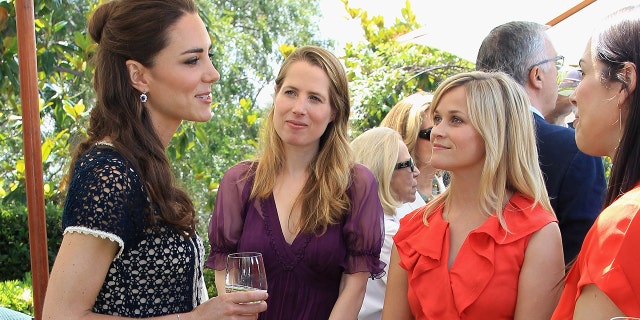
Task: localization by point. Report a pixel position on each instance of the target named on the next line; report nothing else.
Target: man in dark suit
(575, 181)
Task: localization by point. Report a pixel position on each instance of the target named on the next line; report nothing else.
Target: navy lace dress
(156, 271)
(303, 277)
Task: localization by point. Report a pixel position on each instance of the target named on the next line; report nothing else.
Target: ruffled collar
(424, 248)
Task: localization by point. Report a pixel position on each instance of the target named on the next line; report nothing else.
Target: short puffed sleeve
(227, 220)
(106, 198)
(363, 229)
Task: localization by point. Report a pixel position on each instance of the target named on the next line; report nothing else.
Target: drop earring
(143, 97)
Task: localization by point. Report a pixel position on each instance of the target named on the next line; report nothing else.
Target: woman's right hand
(234, 305)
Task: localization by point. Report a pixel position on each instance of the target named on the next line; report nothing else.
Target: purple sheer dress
(303, 277)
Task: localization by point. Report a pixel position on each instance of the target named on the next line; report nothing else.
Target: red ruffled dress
(483, 280)
(609, 258)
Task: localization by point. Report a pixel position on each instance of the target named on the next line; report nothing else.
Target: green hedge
(16, 295)
(15, 259)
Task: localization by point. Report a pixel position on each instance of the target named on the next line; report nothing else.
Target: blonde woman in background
(385, 154)
(409, 117)
(489, 247)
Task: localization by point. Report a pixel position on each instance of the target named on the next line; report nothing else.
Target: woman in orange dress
(489, 247)
(604, 280)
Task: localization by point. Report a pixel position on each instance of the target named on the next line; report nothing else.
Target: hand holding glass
(245, 272)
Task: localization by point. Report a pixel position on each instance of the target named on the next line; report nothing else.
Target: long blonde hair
(406, 117)
(499, 111)
(378, 149)
(324, 197)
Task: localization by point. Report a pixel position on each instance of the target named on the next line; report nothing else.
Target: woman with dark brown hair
(604, 281)
(130, 249)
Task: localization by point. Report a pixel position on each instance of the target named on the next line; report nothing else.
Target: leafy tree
(382, 70)
(246, 37)
(249, 40)
(62, 50)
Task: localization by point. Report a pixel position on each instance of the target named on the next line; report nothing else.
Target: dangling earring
(619, 122)
(143, 97)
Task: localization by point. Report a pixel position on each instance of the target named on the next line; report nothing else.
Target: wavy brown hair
(324, 197)
(135, 30)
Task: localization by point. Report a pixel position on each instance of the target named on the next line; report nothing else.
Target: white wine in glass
(245, 272)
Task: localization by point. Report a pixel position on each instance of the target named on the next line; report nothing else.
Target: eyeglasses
(409, 163)
(559, 60)
(425, 134)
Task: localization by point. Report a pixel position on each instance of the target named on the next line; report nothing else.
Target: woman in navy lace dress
(129, 247)
(304, 204)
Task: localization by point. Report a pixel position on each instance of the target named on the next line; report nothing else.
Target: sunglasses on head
(404, 164)
(425, 134)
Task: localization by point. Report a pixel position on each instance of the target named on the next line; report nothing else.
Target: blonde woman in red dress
(489, 247)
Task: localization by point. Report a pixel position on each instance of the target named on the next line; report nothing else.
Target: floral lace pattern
(157, 271)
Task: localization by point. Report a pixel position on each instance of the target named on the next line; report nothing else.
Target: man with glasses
(575, 181)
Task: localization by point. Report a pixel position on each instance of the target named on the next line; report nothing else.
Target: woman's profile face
(599, 119)
(403, 181)
(179, 82)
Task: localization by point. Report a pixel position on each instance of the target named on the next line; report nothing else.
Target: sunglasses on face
(425, 134)
(409, 163)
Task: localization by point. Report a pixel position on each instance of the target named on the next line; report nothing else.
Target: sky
(458, 26)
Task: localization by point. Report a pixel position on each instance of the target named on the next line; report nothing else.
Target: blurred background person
(409, 117)
(382, 150)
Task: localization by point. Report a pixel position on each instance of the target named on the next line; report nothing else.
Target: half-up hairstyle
(135, 30)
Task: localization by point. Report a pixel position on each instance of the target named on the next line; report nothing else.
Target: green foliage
(15, 258)
(16, 295)
(209, 279)
(382, 70)
(246, 36)
(249, 40)
(62, 50)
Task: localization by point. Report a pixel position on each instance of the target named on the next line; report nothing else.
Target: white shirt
(408, 207)
(374, 296)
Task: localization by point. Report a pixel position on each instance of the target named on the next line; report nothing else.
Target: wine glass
(245, 272)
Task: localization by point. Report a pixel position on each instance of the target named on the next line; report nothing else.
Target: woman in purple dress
(303, 203)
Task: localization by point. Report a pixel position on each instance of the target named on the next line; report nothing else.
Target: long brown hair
(617, 41)
(135, 30)
(324, 197)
